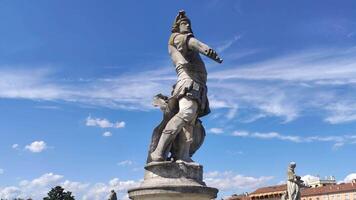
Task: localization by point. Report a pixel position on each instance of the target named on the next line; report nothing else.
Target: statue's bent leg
(187, 112)
(185, 140)
(169, 133)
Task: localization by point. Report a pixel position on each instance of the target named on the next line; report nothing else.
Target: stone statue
(181, 133)
(170, 173)
(294, 183)
(113, 195)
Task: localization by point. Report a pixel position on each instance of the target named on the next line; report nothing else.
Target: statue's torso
(290, 175)
(191, 72)
(188, 63)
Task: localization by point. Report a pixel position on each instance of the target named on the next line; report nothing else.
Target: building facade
(323, 191)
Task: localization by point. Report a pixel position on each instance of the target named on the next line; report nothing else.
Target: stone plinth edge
(173, 192)
(173, 174)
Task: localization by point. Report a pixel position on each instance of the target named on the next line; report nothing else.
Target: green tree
(58, 193)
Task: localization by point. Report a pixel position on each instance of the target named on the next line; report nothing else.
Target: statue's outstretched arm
(202, 48)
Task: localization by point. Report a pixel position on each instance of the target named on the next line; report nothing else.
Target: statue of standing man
(113, 195)
(294, 183)
(181, 133)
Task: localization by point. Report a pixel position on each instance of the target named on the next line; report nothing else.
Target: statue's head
(182, 23)
(112, 191)
(292, 165)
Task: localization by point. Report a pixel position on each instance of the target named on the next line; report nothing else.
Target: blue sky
(77, 79)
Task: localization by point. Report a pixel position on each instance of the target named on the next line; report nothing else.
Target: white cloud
(48, 107)
(48, 179)
(268, 88)
(120, 124)
(36, 146)
(337, 140)
(103, 123)
(240, 133)
(274, 135)
(125, 163)
(216, 131)
(229, 181)
(341, 112)
(313, 73)
(9, 192)
(78, 187)
(107, 134)
(350, 177)
(308, 65)
(39, 187)
(101, 191)
(29, 84)
(227, 44)
(15, 146)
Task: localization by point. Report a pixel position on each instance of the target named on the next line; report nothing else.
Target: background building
(321, 190)
(318, 182)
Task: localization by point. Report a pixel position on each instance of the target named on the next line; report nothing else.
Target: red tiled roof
(329, 189)
(270, 189)
(238, 197)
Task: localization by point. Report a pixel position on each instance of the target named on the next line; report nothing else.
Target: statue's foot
(187, 161)
(156, 158)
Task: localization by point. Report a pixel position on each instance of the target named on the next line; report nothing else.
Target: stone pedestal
(173, 180)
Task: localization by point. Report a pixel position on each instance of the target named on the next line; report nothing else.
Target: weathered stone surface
(173, 192)
(173, 174)
(173, 180)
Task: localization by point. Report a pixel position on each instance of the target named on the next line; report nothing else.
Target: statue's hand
(211, 53)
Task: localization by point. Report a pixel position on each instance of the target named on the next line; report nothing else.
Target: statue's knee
(187, 115)
(174, 125)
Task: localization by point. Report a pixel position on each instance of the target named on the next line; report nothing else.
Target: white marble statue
(181, 132)
(294, 183)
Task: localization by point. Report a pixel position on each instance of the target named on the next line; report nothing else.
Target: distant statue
(294, 183)
(181, 133)
(113, 195)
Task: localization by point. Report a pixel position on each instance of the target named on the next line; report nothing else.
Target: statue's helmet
(179, 18)
(292, 164)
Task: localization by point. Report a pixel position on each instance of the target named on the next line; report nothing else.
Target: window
(347, 197)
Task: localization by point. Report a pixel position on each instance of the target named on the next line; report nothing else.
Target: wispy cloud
(216, 131)
(227, 44)
(293, 83)
(340, 112)
(125, 163)
(2, 171)
(282, 87)
(107, 134)
(310, 65)
(230, 181)
(15, 146)
(337, 140)
(48, 107)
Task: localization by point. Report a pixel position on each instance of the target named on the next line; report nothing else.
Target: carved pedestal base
(172, 180)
